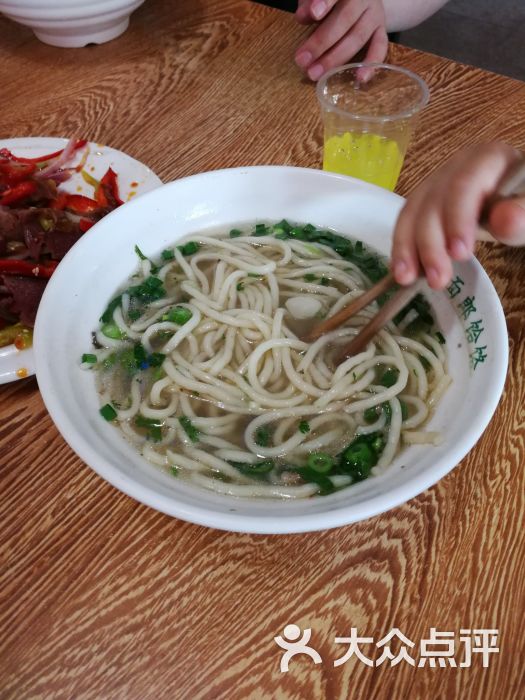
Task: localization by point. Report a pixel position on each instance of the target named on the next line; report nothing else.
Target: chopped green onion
(174, 470)
(139, 354)
(134, 314)
(143, 422)
(191, 431)
(323, 482)
(282, 225)
(111, 330)
(189, 248)
(156, 359)
(261, 230)
(255, 274)
(441, 338)
(426, 364)
(310, 277)
(320, 462)
(304, 427)
(89, 359)
(153, 426)
(370, 414)
(141, 256)
(155, 433)
(108, 412)
(359, 459)
(378, 443)
(262, 437)
(240, 286)
(389, 378)
(256, 469)
(235, 233)
(178, 314)
(107, 316)
(167, 254)
(158, 373)
(140, 253)
(363, 453)
(150, 290)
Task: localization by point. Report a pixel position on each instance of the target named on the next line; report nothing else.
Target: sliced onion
(62, 175)
(57, 165)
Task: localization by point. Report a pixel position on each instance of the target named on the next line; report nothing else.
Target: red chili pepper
(107, 194)
(75, 203)
(5, 153)
(12, 172)
(26, 268)
(18, 192)
(78, 204)
(85, 224)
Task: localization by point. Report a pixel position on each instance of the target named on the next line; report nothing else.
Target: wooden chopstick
(353, 307)
(385, 314)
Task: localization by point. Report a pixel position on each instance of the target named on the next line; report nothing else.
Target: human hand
(345, 27)
(440, 219)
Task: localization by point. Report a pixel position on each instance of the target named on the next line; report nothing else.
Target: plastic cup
(369, 111)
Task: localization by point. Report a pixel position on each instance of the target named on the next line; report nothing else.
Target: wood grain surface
(102, 597)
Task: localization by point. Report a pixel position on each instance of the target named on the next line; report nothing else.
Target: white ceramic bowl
(72, 23)
(72, 304)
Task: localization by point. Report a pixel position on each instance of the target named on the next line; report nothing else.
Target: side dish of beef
(39, 223)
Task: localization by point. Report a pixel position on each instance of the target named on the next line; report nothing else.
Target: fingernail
(303, 59)
(400, 268)
(315, 71)
(433, 276)
(458, 248)
(318, 9)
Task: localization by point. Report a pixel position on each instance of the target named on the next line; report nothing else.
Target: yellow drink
(366, 156)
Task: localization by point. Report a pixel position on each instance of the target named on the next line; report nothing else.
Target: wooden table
(102, 597)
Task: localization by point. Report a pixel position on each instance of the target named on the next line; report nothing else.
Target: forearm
(404, 14)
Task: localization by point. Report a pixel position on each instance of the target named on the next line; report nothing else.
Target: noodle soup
(200, 363)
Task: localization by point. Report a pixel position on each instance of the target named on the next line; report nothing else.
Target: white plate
(477, 344)
(134, 179)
